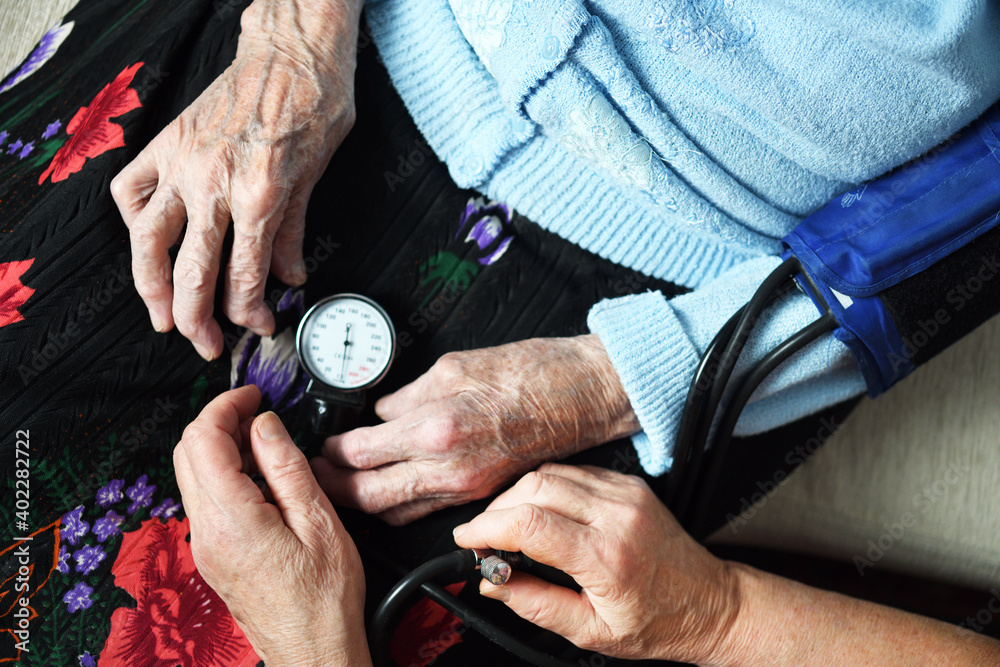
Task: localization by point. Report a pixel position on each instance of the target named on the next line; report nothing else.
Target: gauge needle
(347, 341)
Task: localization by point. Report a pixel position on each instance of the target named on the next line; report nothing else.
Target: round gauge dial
(346, 341)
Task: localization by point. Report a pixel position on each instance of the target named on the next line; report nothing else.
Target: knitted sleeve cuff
(655, 345)
(655, 359)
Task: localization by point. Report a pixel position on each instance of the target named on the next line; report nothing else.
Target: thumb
(288, 475)
(561, 610)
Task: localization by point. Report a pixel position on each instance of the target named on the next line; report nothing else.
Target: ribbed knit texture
(684, 139)
(652, 352)
(656, 345)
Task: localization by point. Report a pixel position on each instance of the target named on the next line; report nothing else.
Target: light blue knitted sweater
(684, 139)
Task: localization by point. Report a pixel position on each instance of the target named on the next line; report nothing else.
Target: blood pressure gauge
(346, 344)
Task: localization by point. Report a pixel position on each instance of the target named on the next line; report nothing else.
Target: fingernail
(206, 354)
(299, 274)
(501, 593)
(262, 322)
(263, 332)
(457, 532)
(157, 321)
(269, 427)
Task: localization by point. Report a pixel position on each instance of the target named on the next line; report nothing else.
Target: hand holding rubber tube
(648, 590)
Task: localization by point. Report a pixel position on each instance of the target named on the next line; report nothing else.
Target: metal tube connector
(495, 570)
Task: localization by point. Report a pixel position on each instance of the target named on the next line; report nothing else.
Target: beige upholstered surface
(926, 455)
(916, 471)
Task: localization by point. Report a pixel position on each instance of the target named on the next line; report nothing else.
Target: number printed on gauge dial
(346, 341)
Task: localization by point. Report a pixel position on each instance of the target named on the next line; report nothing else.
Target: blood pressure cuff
(910, 262)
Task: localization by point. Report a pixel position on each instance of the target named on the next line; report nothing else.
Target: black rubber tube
(750, 382)
(769, 290)
(694, 407)
(462, 560)
(420, 578)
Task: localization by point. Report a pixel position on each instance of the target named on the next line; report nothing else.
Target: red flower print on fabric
(13, 294)
(91, 131)
(178, 619)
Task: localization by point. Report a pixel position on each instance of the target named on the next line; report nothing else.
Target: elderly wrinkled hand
(249, 150)
(288, 571)
(649, 591)
(474, 421)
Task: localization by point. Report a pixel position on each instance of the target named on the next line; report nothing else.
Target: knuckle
(630, 515)
(618, 542)
(289, 472)
(449, 365)
(529, 520)
(192, 434)
(252, 224)
(397, 517)
(120, 186)
(319, 528)
(257, 202)
(636, 487)
(368, 499)
(209, 231)
(550, 468)
(193, 276)
(637, 482)
(356, 450)
(152, 282)
(147, 238)
(446, 430)
(617, 557)
(178, 452)
(464, 480)
(349, 117)
(533, 482)
(261, 178)
(247, 276)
